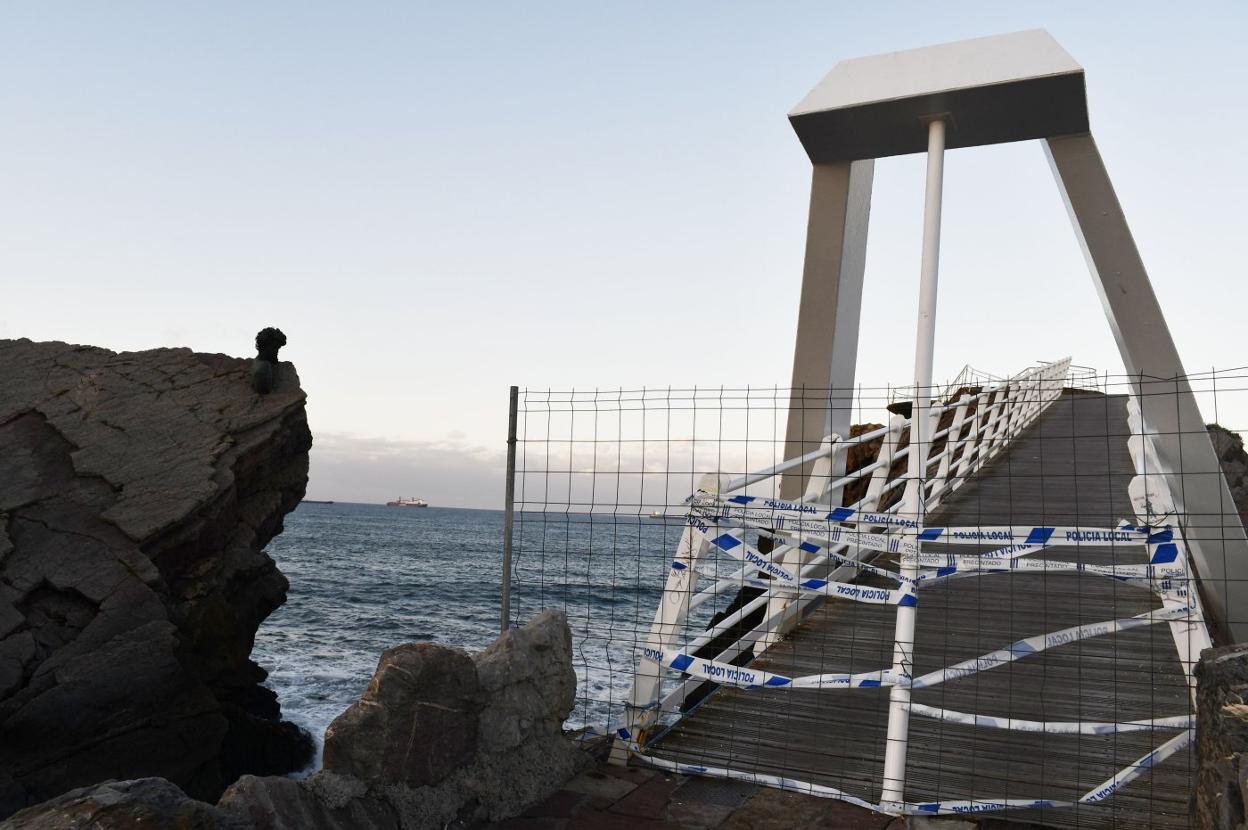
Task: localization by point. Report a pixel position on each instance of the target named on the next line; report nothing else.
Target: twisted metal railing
(820, 547)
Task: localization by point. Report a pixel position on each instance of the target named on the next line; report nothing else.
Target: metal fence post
(509, 507)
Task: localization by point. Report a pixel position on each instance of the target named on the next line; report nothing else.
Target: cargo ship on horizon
(407, 502)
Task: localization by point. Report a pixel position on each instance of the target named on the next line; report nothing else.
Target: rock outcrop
(1229, 447)
(1221, 787)
(415, 723)
(439, 736)
(137, 492)
(125, 805)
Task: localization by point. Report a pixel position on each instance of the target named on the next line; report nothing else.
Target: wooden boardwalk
(1070, 468)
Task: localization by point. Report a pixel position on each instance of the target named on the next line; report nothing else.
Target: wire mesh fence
(733, 588)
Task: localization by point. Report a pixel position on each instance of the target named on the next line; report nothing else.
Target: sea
(365, 578)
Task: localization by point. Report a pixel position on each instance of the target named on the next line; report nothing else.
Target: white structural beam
(1171, 416)
(893, 788)
(826, 352)
(1011, 87)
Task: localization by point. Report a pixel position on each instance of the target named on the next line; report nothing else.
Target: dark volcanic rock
(439, 737)
(1221, 785)
(125, 805)
(1229, 447)
(137, 492)
(415, 723)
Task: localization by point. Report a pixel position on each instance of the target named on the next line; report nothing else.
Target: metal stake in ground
(509, 507)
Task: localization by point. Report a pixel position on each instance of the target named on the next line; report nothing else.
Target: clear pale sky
(435, 201)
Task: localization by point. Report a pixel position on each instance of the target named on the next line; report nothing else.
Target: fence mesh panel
(1025, 694)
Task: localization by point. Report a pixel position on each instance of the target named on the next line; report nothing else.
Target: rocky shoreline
(137, 494)
(438, 737)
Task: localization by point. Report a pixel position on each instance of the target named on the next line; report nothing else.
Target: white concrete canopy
(1011, 87)
(993, 89)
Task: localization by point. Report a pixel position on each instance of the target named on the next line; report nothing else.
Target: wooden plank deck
(1069, 468)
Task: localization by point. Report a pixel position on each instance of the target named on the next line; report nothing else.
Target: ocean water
(365, 578)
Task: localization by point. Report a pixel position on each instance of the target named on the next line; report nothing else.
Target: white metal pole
(894, 784)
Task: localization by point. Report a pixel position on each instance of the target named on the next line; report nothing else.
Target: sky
(436, 201)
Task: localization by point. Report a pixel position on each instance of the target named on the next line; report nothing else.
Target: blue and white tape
(982, 805)
(732, 545)
(1041, 642)
(808, 521)
(1042, 535)
(816, 528)
(1142, 765)
(940, 560)
(744, 552)
(826, 551)
(842, 590)
(1052, 727)
(776, 781)
(763, 507)
(748, 678)
(792, 518)
(943, 807)
(976, 566)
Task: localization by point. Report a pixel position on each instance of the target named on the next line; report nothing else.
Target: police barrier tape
(976, 566)
(817, 553)
(734, 547)
(798, 519)
(1041, 642)
(932, 559)
(792, 515)
(775, 781)
(817, 528)
(1053, 537)
(1159, 543)
(981, 805)
(944, 807)
(819, 790)
(826, 551)
(1052, 727)
(1142, 765)
(945, 565)
(747, 678)
(737, 549)
(799, 509)
(843, 590)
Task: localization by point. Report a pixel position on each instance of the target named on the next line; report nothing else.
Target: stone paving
(641, 798)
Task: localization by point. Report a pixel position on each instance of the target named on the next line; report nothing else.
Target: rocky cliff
(440, 738)
(137, 492)
(1229, 447)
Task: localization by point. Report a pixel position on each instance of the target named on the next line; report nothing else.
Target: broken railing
(819, 546)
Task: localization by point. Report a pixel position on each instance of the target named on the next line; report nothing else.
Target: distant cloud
(557, 475)
(449, 473)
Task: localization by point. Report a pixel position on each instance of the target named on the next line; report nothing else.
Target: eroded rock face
(137, 492)
(415, 723)
(495, 748)
(125, 805)
(1229, 447)
(1221, 739)
(528, 682)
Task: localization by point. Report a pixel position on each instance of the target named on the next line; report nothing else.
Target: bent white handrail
(1000, 413)
(843, 535)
